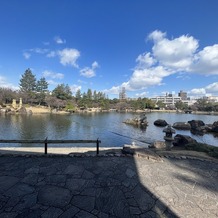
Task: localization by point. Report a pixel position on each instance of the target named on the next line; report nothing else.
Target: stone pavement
(64, 186)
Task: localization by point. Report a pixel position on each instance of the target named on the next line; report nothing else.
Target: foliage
(70, 106)
(160, 104)
(36, 92)
(203, 105)
(62, 92)
(28, 83)
(181, 105)
(201, 147)
(6, 95)
(41, 89)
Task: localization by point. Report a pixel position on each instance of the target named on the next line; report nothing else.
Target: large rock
(158, 145)
(160, 122)
(22, 110)
(214, 127)
(182, 126)
(182, 140)
(197, 126)
(140, 121)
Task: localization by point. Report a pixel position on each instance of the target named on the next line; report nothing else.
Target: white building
(168, 100)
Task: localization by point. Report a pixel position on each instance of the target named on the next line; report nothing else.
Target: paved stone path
(107, 187)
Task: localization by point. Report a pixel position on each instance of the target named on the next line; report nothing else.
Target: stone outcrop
(11, 110)
(22, 110)
(182, 140)
(160, 122)
(182, 125)
(197, 126)
(158, 145)
(140, 121)
(214, 127)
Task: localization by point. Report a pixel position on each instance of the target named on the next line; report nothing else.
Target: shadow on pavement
(37, 186)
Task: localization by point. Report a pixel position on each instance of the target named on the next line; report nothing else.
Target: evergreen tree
(89, 94)
(62, 92)
(78, 95)
(42, 89)
(28, 85)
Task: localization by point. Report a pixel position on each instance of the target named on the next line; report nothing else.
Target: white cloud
(52, 75)
(74, 88)
(52, 54)
(39, 50)
(156, 35)
(177, 53)
(89, 72)
(69, 56)
(114, 90)
(5, 84)
(145, 60)
(58, 40)
(144, 78)
(143, 94)
(95, 65)
(200, 91)
(52, 82)
(211, 89)
(26, 55)
(206, 61)
(28, 52)
(82, 82)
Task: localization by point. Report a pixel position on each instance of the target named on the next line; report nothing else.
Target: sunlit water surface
(108, 127)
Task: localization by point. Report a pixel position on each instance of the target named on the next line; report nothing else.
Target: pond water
(108, 127)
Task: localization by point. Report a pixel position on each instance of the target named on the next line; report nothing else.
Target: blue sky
(148, 47)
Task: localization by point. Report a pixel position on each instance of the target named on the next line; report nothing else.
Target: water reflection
(108, 127)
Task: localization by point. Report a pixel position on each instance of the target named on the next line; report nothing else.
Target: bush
(201, 147)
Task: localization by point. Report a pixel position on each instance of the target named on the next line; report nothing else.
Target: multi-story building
(122, 94)
(183, 95)
(169, 100)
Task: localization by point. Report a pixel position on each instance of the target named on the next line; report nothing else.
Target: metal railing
(49, 141)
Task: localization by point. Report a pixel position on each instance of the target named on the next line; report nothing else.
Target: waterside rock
(214, 127)
(198, 127)
(158, 145)
(140, 121)
(182, 126)
(182, 140)
(160, 122)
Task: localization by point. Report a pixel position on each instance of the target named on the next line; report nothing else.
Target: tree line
(35, 92)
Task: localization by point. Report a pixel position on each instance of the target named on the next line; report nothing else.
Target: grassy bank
(201, 147)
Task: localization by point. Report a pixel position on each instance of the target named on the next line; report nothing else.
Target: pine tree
(78, 95)
(62, 92)
(41, 89)
(28, 85)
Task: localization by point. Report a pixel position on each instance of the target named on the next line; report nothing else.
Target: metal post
(46, 145)
(97, 146)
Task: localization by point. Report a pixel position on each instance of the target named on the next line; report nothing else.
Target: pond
(108, 127)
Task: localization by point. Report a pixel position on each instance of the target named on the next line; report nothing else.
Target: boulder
(22, 110)
(138, 121)
(158, 145)
(160, 122)
(195, 124)
(182, 140)
(182, 126)
(214, 127)
(197, 127)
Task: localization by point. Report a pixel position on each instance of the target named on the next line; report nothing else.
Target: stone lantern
(169, 136)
